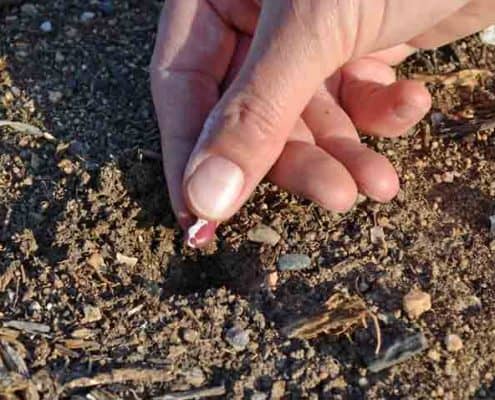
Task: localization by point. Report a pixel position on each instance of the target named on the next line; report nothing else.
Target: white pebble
(46, 26)
(488, 35)
(87, 16)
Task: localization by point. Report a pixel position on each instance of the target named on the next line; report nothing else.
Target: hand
(312, 76)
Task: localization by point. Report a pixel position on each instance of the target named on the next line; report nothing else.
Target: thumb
(247, 130)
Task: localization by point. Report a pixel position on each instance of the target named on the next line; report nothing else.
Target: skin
(245, 89)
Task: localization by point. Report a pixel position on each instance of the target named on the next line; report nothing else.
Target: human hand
(315, 72)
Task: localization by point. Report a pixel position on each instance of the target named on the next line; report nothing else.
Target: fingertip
(412, 102)
(342, 199)
(384, 187)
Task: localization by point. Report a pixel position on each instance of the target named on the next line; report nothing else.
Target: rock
(278, 390)
(29, 9)
(453, 343)
(271, 279)
(129, 261)
(416, 302)
(66, 166)
(59, 57)
(492, 226)
(263, 234)
(87, 16)
(399, 352)
(294, 262)
(190, 335)
(95, 261)
(46, 26)
(259, 396)
(377, 235)
(488, 36)
(237, 338)
(363, 381)
(55, 96)
(195, 377)
(91, 314)
(434, 355)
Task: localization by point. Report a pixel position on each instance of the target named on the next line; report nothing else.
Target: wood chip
(7, 277)
(119, 376)
(129, 261)
(194, 394)
(12, 359)
(26, 326)
(27, 128)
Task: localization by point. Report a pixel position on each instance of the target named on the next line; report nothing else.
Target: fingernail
(214, 187)
(200, 233)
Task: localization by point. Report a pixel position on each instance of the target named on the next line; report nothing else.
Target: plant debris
(342, 315)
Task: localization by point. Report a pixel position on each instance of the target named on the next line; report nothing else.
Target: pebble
(453, 343)
(434, 355)
(55, 96)
(190, 335)
(96, 261)
(278, 390)
(123, 259)
(263, 234)
(294, 262)
(363, 381)
(237, 338)
(29, 9)
(87, 16)
(272, 279)
(91, 314)
(377, 235)
(415, 303)
(488, 35)
(259, 396)
(399, 352)
(195, 377)
(46, 26)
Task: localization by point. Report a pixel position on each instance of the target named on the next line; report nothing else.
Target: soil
(90, 250)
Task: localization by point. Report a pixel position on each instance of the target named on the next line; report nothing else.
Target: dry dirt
(74, 207)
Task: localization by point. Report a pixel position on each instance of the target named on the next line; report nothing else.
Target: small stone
(363, 381)
(95, 261)
(91, 314)
(46, 27)
(272, 279)
(195, 377)
(488, 35)
(278, 390)
(190, 335)
(237, 338)
(492, 225)
(66, 166)
(263, 234)
(434, 355)
(59, 57)
(259, 396)
(35, 307)
(294, 262)
(35, 162)
(29, 9)
(448, 177)
(377, 235)
(129, 261)
(87, 16)
(453, 343)
(415, 303)
(400, 351)
(55, 96)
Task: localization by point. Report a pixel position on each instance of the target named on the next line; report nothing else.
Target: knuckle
(255, 116)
